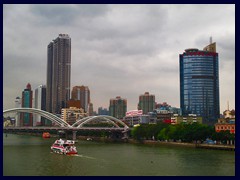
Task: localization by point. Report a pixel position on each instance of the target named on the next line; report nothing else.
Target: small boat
(61, 146)
(46, 135)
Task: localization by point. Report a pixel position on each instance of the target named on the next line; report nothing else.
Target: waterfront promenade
(194, 145)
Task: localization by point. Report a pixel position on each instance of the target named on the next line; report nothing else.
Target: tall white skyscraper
(39, 103)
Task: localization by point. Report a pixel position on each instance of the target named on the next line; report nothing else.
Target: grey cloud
(65, 14)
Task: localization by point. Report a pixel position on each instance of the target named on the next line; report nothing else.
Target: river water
(31, 156)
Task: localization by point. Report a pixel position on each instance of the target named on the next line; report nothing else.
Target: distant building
(18, 104)
(162, 115)
(163, 106)
(229, 114)
(58, 73)
(81, 93)
(40, 103)
(118, 107)
(26, 119)
(166, 106)
(70, 115)
(191, 118)
(225, 124)
(103, 111)
(136, 119)
(199, 83)
(90, 109)
(74, 103)
(146, 102)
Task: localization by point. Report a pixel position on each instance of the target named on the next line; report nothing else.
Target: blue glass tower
(199, 83)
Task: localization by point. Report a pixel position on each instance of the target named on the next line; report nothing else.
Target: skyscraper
(81, 93)
(199, 83)
(40, 103)
(58, 73)
(118, 107)
(18, 104)
(26, 119)
(146, 102)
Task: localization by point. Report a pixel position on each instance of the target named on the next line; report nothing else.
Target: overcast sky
(117, 50)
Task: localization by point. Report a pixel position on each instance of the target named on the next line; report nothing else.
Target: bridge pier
(74, 135)
(125, 135)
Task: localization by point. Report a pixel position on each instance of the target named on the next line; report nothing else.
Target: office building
(26, 119)
(81, 93)
(18, 104)
(40, 103)
(118, 107)
(146, 102)
(199, 83)
(58, 73)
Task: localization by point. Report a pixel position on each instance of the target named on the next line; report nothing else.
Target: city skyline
(117, 50)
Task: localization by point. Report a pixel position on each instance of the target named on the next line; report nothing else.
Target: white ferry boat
(61, 146)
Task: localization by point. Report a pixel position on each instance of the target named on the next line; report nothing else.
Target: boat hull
(62, 150)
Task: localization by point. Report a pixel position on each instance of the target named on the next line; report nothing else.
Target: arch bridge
(117, 125)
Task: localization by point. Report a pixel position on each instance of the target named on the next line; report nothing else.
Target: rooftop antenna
(228, 105)
(210, 39)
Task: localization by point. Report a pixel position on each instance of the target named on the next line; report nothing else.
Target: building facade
(146, 102)
(225, 125)
(118, 107)
(70, 115)
(90, 109)
(103, 111)
(191, 118)
(199, 83)
(58, 73)
(74, 103)
(40, 103)
(18, 104)
(81, 93)
(26, 119)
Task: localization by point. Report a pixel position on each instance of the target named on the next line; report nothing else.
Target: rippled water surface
(29, 155)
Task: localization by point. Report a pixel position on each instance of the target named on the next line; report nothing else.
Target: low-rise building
(191, 118)
(137, 119)
(225, 124)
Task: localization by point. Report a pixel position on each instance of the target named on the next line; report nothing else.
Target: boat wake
(80, 155)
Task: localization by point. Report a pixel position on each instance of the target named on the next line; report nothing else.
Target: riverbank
(192, 145)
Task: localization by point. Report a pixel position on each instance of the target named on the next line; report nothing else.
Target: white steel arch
(63, 123)
(110, 119)
(45, 114)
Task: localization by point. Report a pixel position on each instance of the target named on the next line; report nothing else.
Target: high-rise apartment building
(58, 73)
(26, 119)
(103, 111)
(118, 107)
(146, 102)
(90, 109)
(81, 93)
(40, 103)
(199, 83)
